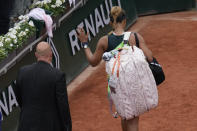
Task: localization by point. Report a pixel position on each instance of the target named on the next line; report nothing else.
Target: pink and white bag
(131, 78)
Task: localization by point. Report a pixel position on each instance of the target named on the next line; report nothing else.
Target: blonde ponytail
(117, 15)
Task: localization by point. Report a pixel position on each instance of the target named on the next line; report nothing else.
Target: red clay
(173, 41)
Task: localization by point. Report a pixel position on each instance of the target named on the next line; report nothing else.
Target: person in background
(42, 95)
(110, 42)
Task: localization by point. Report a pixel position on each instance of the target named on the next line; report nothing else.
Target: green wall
(145, 7)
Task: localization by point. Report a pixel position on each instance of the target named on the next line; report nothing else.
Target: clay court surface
(173, 40)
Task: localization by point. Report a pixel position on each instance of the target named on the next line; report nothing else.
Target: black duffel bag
(154, 66)
(157, 71)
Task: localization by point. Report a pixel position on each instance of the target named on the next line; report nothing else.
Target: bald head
(43, 51)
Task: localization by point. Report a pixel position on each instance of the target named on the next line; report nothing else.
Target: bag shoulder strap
(137, 40)
(126, 37)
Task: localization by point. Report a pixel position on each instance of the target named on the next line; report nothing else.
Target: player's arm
(93, 58)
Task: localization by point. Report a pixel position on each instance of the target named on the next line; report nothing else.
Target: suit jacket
(42, 95)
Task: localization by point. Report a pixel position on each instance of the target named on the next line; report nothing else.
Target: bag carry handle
(126, 37)
(137, 40)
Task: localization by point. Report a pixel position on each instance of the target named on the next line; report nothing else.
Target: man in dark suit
(42, 95)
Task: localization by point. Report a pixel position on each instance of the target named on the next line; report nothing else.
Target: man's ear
(37, 55)
(51, 54)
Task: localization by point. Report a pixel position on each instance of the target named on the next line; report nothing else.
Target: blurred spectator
(5, 10)
(20, 7)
